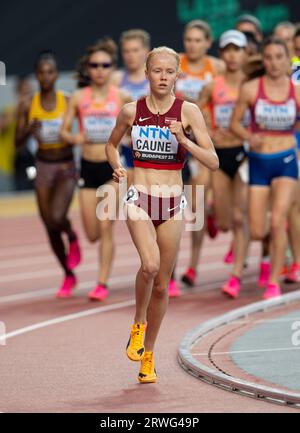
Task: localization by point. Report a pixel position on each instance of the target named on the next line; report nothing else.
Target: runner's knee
(150, 268)
(57, 220)
(278, 222)
(224, 226)
(238, 220)
(92, 237)
(160, 289)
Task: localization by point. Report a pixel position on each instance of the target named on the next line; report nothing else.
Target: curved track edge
(228, 383)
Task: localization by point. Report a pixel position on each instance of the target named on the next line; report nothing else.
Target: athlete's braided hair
(105, 44)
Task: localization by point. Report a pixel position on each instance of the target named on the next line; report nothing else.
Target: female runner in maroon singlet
(160, 123)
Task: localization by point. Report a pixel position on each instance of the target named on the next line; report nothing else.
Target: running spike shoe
(173, 289)
(147, 372)
(135, 347)
(189, 277)
(74, 254)
(264, 274)
(294, 274)
(68, 284)
(232, 287)
(272, 291)
(99, 293)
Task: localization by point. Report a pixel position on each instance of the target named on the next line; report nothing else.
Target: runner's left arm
(203, 149)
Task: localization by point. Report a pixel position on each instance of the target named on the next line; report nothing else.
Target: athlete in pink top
(274, 103)
(154, 202)
(96, 106)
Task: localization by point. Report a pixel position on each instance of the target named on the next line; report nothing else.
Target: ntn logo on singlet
(136, 90)
(98, 128)
(153, 141)
(275, 116)
(96, 120)
(223, 114)
(190, 87)
(50, 130)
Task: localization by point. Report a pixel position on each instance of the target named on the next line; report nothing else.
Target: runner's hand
(221, 134)
(80, 139)
(119, 174)
(35, 128)
(177, 130)
(255, 141)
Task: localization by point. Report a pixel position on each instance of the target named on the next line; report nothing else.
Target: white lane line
(50, 258)
(88, 285)
(122, 238)
(85, 313)
(67, 318)
(134, 260)
(279, 349)
(122, 248)
(44, 246)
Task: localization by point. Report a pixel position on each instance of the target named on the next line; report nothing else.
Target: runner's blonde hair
(163, 50)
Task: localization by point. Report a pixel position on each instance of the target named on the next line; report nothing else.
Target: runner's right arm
(124, 121)
(25, 128)
(244, 102)
(203, 102)
(70, 115)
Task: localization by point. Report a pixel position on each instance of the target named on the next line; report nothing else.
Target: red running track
(68, 355)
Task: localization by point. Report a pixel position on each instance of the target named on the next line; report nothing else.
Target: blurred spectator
(286, 31)
(11, 160)
(7, 148)
(24, 156)
(249, 23)
(296, 64)
(297, 45)
(252, 44)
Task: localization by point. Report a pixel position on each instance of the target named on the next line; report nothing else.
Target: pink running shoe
(232, 287)
(264, 274)
(229, 257)
(272, 291)
(189, 277)
(74, 255)
(293, 275)
(69, 283)
(99, 293)
(173, 289)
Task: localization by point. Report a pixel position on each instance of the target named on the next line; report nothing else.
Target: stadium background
(67, 27)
